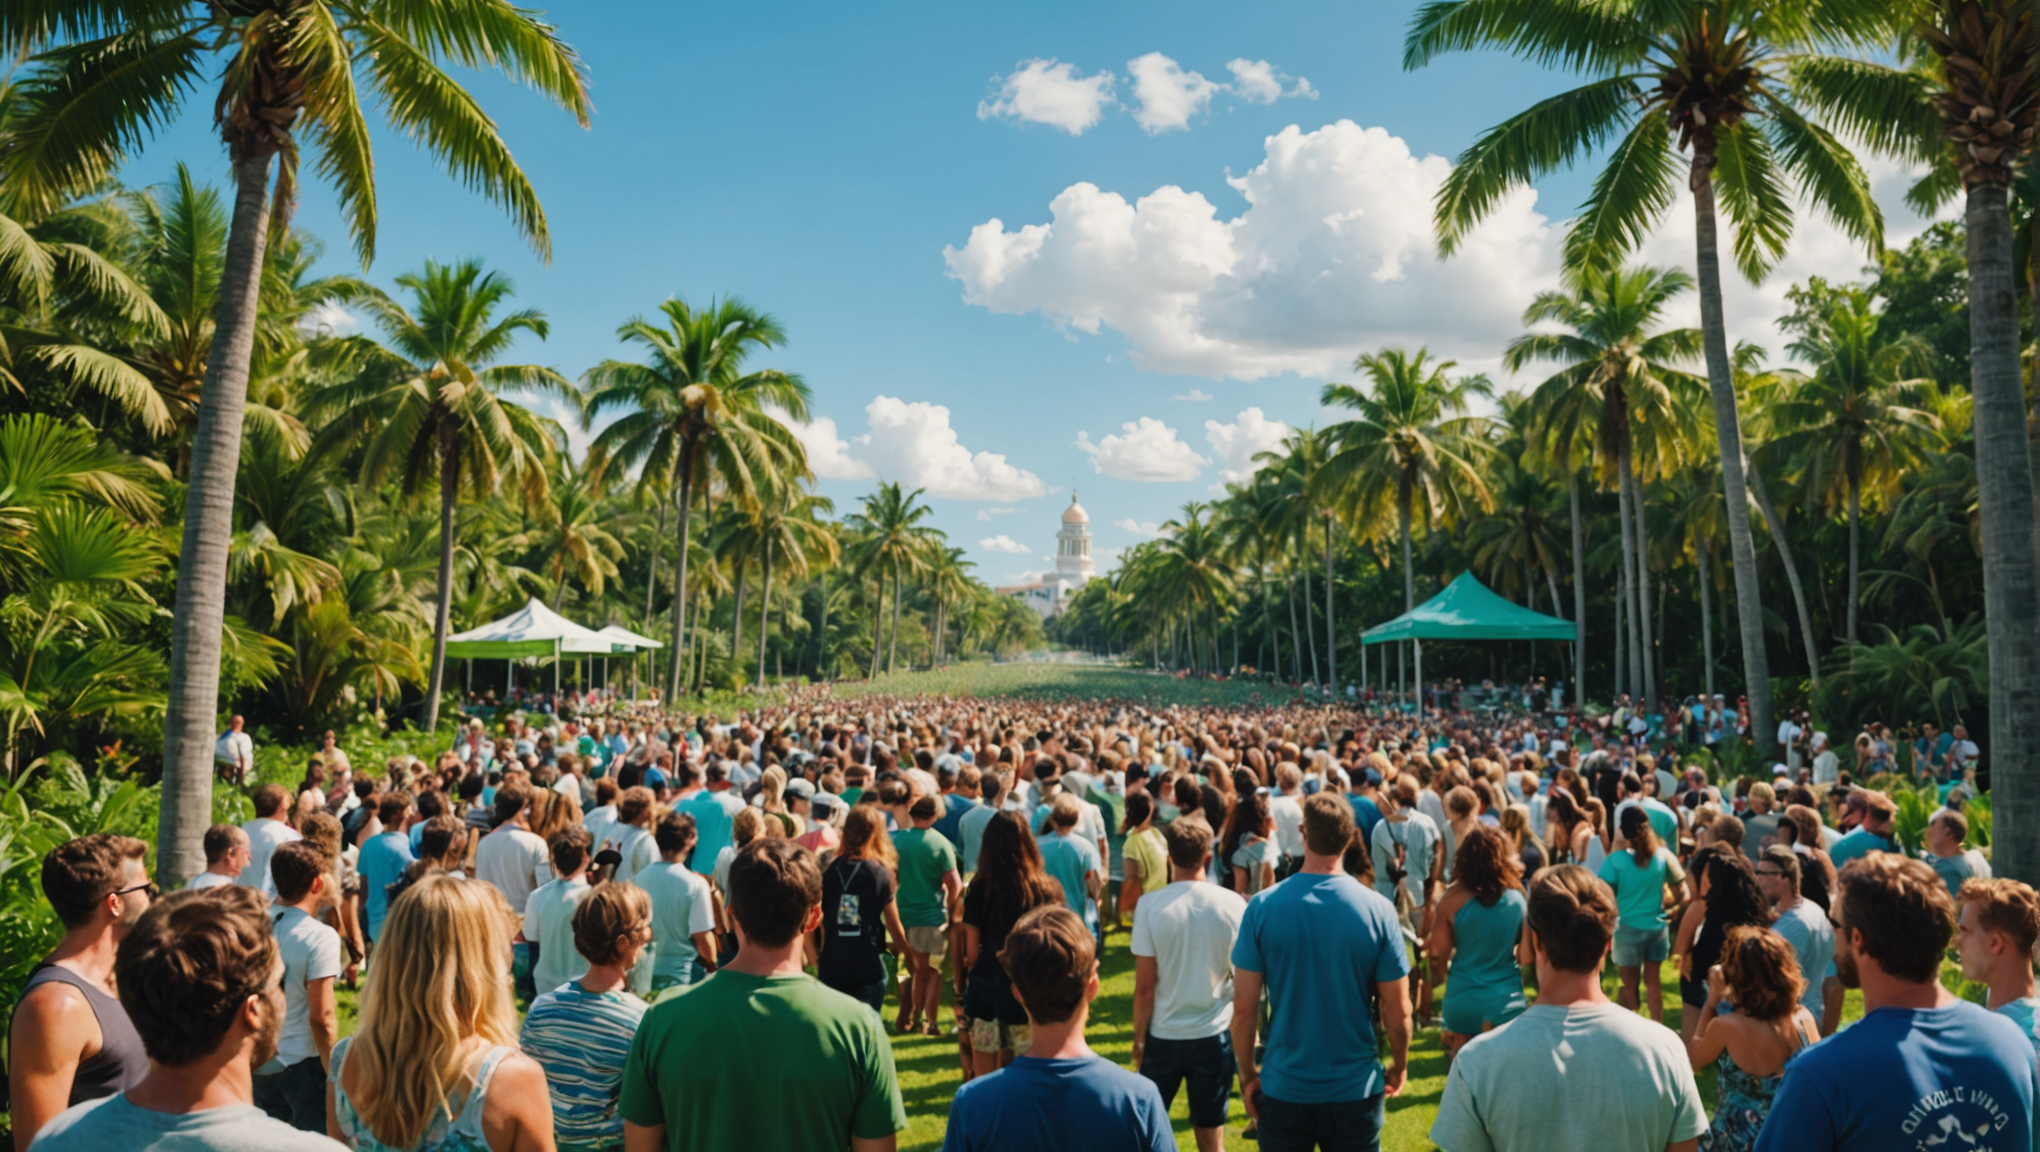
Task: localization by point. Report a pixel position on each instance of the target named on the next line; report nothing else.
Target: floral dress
(1745, 1102)
(462, 1134)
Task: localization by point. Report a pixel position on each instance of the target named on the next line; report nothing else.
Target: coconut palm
(1617, 384)
(292, 73)
(427, 407)
(1412, 440)
(570, 536)
(1857, 417)
(693, 415)
(791, 537)
(1730, 83)
(894, 543)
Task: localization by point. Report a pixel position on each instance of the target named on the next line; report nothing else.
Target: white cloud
(328, 318)
(1334, 255)
(1168, 95)
(1001, 510)
(914, 444)
(1145, 449)
(1193, 396)
(1235, 445)
(1261, 82)
(828, 454)
(1046, 92)
(1138, 528)
(1005, 543)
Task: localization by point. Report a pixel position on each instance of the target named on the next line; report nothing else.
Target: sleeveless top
(462, 1134)
(1484, 946)
(121, 1061)
(1745, 1101)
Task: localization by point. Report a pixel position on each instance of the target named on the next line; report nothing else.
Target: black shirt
(989, 995)
(855, 894)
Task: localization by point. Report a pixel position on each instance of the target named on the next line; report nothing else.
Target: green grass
(1057, 682)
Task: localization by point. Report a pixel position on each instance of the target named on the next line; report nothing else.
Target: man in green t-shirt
(929, 887)
(761, 1055)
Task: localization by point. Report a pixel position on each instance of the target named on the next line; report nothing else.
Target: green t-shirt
(1640, 891)
(1151, 851)
(738, 1063)
(925, 855)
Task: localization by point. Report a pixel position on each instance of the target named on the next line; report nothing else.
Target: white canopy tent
(634, 644)
(530, 632)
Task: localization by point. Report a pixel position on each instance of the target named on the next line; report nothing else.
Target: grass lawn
(1068, 682)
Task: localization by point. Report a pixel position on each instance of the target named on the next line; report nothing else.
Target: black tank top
(120, 1062)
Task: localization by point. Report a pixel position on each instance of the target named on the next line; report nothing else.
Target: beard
(272, 1030)
(1845, 968)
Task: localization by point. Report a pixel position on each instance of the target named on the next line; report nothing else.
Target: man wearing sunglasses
(71, 1041)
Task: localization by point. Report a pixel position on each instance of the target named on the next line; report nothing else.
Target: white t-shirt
(598, 823)
(1189, 928)
(549, 919)
(235, 748)
(310, 951)
(207, 880)
(681, 908)
(514, 860)
(265, 835)
(1288, 814)
(637, 848)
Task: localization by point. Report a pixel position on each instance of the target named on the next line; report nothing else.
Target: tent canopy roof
(533, 630)
(618, 634)
(1467, 610)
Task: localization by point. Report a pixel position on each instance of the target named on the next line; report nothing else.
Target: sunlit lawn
(1069, 682)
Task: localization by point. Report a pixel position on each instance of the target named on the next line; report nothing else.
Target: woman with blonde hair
(434, 1066)
(771, 800)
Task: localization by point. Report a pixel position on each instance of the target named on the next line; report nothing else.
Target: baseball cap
(800, 788)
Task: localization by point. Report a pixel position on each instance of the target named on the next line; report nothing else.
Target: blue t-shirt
(952, 818)
(382, 860)
(1860, 842)
(1365, 814)
(1072, 1105)
(1321, 941)
(1953, 1077)
(1069, 859)
(1812, 937)
(712, 828)
(2021, 1012)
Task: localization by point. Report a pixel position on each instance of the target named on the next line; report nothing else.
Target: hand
(1139, 1050)
(1717, 983)
(1250, 1090)
(1394, 1077)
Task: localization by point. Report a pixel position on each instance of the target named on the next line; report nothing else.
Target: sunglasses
(1769, 872)
(150, 888)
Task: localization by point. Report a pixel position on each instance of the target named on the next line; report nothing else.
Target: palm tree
(950, 583)
(427, 407)
(1412, 439)
(1856, 417)
(1292, 468)
(894, 543)
(1732, 79)
(570, 537)
(1617, 384)
(292, 72)
(694, 415)
(790, 532)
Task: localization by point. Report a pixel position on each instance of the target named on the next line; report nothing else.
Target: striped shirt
(580, 1039)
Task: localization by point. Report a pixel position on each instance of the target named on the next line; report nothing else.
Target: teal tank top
(1484, 945)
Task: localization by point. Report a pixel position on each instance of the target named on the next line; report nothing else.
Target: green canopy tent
(1467, 610)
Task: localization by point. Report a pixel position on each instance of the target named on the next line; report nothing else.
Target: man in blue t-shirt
(1873, 834)
(1316, 941)
(1922, 1067)
(384, 857)
(1058, 1093)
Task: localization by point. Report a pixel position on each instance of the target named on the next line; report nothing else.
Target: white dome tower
(1073, 547)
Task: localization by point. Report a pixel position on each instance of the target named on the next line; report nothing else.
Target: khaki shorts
(930, 942)
(991, 1037)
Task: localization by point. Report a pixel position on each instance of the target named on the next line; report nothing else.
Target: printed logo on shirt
(849, 915)
(1955, 1119)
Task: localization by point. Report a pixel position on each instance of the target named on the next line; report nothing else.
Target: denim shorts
(1206, 1064)
(1635, 947)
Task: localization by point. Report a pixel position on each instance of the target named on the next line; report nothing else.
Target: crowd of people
(596, 932)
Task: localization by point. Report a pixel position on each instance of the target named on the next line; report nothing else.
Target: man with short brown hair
(265, 832)
(1994, 935)
(1058, 1093)
(1892, 1071)
(1624, 1085)
(199, 975)
(1183, 936)
(292, 1086)
(226, 853)
(71, 1041)
(798, 1066)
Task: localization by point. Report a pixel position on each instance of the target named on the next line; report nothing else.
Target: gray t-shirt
(112, 1122)
(1418, 837)
(1812, 937)
(310, 951)
(1589, 1076)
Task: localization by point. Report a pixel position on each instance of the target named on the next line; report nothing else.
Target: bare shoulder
(60, 1019)
(516, 1077)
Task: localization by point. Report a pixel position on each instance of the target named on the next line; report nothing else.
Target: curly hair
(1762, 972)
(1487, 864)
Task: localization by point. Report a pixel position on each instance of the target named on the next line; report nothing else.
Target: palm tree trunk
(1409, 592)
(1579, 590)
(2004, 482)
(764, 614)
(1791, 576)
(687, 450)
(1331, 635)
(1855, 536)
(1706, 556)
(191, 710)
(652, 578)
(442, 613)
(877, 626)
(1749, 609)
(737, 625)
(1633, 638)
(822, 627)
(1309, 613)
(1295, 633)
(1622, 632)
(1274, 661)
(1650, 693)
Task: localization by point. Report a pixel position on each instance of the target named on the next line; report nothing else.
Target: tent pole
(1417, 647)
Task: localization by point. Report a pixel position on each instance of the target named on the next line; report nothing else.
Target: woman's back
(461, 1132)
(1745, 1096)
(1484, 944)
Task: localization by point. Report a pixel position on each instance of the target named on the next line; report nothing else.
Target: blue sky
(830, 164)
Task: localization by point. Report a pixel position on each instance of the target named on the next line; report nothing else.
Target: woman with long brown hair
(1474, 937)
(1010, 882)
(859, 909)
